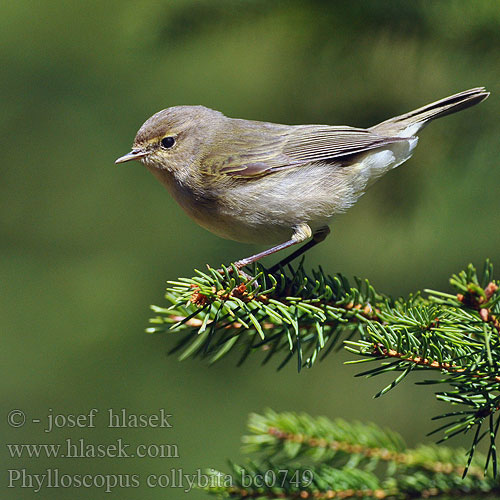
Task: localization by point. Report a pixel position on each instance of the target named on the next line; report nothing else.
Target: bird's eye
(167, 142)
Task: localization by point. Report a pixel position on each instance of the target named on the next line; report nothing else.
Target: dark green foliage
(290, 312)
(456, 336)
(304, 316)
(342, 463)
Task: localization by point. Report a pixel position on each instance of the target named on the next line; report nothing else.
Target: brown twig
(370, 452)
(418, 360)
(313, 495)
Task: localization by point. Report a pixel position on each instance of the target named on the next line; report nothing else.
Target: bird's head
(174, 138)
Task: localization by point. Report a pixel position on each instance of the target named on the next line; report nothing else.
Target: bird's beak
(135, 154)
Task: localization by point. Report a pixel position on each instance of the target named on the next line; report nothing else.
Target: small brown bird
(262, 182)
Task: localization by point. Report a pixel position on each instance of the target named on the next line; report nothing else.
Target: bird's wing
(311, 143)
(271, 150)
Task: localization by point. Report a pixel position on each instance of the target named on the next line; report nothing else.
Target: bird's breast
(268, 208)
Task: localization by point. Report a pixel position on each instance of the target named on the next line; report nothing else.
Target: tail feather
(410, 123)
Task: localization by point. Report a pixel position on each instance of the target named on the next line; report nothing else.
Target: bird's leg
(318, 237)
(301, 233)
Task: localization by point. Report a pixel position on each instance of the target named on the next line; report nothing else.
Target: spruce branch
(295, 314)
(290, 313)
(291, 436)
(455, 336)
(342, 463)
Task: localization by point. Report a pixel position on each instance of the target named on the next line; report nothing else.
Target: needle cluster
(293, 314)
(296, 456)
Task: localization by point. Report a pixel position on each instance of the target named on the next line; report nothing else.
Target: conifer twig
(343, 461)
(303, 315)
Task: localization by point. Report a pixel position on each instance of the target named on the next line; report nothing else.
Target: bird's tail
(409, 124)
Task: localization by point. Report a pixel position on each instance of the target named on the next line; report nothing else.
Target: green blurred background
(86, 246)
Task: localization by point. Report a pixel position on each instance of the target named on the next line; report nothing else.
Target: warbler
(262, 182)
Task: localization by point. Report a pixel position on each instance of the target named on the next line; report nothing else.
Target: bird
(280, 185)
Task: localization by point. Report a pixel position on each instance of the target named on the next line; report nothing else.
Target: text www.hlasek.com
(80, 448)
